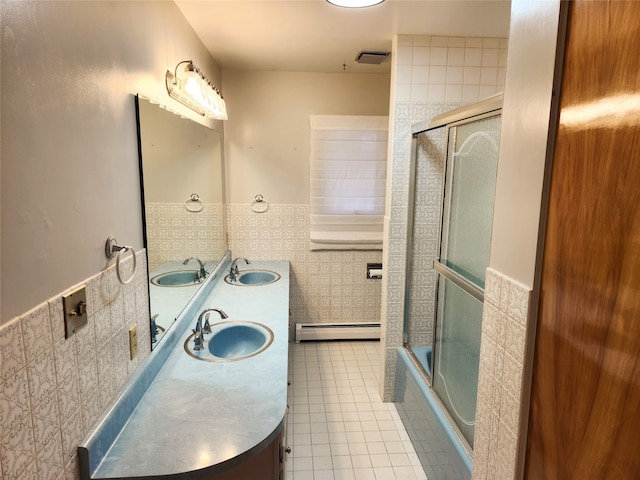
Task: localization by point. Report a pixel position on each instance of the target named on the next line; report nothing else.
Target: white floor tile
(364, 474)
(342, 462)
(339, 429)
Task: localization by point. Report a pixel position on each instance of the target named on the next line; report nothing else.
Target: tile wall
(430, 75)
(52, 389)
(169, 225)
(326, 286)
(502, 353)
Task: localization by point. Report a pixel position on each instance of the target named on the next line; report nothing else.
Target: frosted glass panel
(458, 333)
(469, 193)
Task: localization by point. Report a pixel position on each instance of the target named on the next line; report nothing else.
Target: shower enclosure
(454, 169)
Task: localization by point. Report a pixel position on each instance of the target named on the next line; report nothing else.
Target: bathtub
(442, 454)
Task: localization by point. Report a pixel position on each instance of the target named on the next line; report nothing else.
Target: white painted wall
(69, 147)
(267, 134)
(267, 152)
(523, 144)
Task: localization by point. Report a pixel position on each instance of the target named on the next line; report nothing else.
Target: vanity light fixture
(355, 3)
(193, 89)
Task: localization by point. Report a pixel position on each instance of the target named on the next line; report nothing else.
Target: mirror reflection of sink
(232, 340)
(254, 278)
(180, 278)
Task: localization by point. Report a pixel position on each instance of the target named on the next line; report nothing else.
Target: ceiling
(315, 36)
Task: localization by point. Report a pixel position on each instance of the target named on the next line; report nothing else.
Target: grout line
(338, 426)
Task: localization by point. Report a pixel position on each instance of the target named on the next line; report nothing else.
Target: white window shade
(348, 170)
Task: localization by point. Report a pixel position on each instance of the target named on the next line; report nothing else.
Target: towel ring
(193, 203)
(259, 204)
(111, 248)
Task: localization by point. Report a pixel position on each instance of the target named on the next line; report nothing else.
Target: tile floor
(338, 428)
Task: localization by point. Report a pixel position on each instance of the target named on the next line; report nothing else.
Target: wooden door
(585, 406)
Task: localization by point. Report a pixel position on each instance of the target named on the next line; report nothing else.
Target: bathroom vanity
(199, 416)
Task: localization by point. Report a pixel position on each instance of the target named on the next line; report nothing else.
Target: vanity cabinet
(269, 464)
(265, 465)
(245, 441)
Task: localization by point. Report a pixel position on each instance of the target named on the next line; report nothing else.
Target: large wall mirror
(182, 195)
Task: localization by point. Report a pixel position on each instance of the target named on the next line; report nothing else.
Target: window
(348, 171)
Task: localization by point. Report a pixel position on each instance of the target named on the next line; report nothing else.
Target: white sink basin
(179, 278)
(253, 278)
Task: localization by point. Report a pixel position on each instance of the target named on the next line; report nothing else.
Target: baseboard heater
(337, 331)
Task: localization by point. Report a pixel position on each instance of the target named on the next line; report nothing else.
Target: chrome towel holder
(112, 249)
(259, 204)
(193, 203)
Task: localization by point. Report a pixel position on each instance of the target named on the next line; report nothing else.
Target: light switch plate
(133, 341)
(74, 305)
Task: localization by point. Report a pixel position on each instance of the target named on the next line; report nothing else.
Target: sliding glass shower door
(471, 166)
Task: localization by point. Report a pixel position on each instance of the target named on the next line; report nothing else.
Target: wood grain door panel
(585, 406)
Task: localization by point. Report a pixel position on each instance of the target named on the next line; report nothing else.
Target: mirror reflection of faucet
(233, 271)
(154, 328)
(200, 330)
(202, 273)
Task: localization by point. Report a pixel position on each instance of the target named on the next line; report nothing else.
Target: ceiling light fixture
(355, 3)
(193, 89)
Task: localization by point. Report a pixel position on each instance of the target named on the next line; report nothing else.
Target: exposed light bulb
(194, 90)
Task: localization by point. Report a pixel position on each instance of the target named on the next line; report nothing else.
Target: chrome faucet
(202, 273)
(154, 328)
(234, 272)
(200, 330)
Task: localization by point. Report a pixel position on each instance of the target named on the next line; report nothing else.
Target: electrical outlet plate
(133, 341)
(74, 305)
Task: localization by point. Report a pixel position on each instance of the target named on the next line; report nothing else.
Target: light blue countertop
(197, 415)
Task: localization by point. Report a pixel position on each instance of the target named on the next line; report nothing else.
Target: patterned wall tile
(518, 304)
(515, 340)
(43, 417)
(45, 420)
(493, 286)
(509, 410)
(42, 377)
(17, 450)
(501, 376)
(512, 374)
(69, 397)
(14, 402)
(506, 453)
(325, 285)
(85, 340)
(31, 472)
(71, 470)
(36, 331)
(169, 223)
(12, 358)
(72, 433)
(49, 459)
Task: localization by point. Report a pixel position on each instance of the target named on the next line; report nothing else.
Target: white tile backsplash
(53, 389)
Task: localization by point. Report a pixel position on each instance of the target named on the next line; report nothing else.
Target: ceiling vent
(371, 57)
